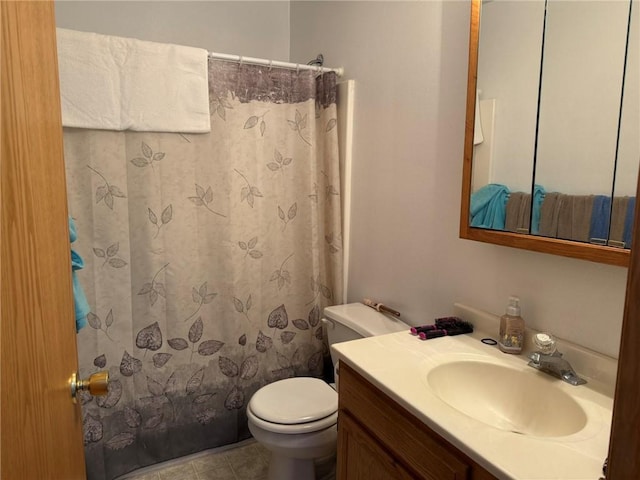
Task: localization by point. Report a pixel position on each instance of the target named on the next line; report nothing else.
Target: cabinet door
(361, 457)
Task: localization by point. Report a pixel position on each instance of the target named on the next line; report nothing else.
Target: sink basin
(506, 398)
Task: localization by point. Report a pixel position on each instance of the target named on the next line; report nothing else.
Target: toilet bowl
(295, 419)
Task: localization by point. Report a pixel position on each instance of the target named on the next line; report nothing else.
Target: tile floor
(246, 460)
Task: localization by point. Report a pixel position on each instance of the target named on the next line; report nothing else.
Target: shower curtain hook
(297, 69)
(270, 65)
(241, 60)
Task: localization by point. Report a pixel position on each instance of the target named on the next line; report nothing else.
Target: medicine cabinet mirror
(552, 143)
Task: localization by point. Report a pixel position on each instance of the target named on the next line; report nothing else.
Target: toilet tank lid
(364, 320)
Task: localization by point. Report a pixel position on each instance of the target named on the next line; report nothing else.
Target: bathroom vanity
(378, 439)
(454, 408)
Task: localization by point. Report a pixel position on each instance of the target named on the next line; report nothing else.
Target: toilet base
(293, 456)
(294, 448)
(285, 467)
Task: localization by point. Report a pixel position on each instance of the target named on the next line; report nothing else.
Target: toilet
(295, 419)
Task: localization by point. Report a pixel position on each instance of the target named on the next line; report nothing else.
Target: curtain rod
(275, 63)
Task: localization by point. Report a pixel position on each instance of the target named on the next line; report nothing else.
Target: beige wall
(250, 28)
(409, 62)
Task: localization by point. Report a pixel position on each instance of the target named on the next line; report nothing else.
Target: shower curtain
(209, 259)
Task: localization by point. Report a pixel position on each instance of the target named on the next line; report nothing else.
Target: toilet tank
(356, 320)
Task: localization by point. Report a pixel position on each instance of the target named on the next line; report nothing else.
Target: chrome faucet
(549, 360)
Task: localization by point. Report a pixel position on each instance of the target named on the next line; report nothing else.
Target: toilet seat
(308, 427)
(294, 405)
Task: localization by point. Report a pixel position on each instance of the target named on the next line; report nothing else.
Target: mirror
(552, 127)
(629, 149)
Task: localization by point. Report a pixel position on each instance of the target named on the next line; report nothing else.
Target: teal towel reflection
(489, 206)
(600, 219)
(538, 197)
(628, 222)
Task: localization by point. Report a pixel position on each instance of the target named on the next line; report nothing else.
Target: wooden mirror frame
(554, 246)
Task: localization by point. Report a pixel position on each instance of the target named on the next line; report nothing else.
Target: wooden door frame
(40, 426)
(624, 445)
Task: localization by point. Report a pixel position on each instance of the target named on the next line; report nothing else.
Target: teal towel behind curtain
(79, 299)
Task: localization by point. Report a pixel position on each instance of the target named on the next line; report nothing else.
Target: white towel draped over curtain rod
(118, 83)
(262, 61)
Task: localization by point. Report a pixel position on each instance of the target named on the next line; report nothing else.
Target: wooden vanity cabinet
(380, 440)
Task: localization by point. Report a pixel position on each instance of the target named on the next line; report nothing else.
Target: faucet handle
(545, 343)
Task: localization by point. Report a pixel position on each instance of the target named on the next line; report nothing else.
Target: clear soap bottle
(511, 338)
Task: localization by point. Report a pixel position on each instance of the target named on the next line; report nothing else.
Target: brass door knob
(96, 385)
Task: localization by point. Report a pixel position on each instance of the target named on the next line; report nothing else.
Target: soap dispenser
(511, 337)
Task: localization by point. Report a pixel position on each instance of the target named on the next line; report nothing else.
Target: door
(361, 457)
(40, 426)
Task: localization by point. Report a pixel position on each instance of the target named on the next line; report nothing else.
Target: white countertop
(398, 364)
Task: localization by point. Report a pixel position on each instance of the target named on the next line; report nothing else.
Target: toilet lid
(294, 400)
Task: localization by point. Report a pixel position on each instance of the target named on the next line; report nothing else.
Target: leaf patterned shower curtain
(209, 258)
